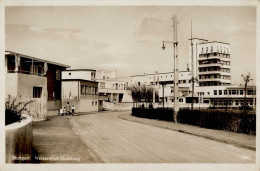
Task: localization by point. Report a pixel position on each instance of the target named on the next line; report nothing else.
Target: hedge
(212, 119)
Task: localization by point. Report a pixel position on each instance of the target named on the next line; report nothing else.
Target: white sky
(129, 39)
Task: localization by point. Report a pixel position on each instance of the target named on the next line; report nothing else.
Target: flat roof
(80, 70)
(157, 73)
(215, 42)
(78, 80)
(38, 59)
(198, 39)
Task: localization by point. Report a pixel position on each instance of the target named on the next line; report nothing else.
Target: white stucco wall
(85, 75)
(70, 89)
(22, 85)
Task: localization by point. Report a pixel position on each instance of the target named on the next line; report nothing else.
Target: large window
(82, 89)
(215, 92)
(37, 92)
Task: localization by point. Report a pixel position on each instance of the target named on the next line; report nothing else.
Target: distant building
(210, 62)
(30, 78)
(80, 89)
(112, 87)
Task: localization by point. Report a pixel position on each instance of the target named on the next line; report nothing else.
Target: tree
(142, 93)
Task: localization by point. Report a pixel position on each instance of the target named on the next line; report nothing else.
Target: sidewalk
(54, 141)
(241, 140)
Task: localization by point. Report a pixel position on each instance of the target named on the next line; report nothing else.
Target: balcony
(215, 72)
(215, 80)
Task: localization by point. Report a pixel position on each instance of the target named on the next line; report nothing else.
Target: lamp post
(175, 69)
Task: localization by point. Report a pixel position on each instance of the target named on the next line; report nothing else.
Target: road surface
(115, 140)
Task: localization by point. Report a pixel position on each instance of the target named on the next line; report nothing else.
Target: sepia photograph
(153, 84)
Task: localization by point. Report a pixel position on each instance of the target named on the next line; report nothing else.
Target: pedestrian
(72, 110)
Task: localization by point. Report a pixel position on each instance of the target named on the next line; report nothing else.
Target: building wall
(85, 75)
(104, 75)
(22, 85)
(149, 79)
(88, 105)
(70, 89)
(11, 84)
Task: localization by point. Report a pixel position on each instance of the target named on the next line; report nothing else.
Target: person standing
(72, 110)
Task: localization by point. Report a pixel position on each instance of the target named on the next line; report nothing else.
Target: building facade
(80, 89)
(210, 62)
(30, 78)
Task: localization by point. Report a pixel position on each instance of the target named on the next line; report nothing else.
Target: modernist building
(112, 87)
(80, 89)
(30, 78)
(210, 62)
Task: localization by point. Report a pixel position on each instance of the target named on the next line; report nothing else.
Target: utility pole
(175, 70)
(192, 70)
(246, 79)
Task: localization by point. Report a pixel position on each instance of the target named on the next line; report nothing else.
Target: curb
(195, 134)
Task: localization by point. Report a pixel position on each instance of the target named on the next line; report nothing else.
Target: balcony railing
(26, 72)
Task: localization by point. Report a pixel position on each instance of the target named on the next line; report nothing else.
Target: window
(180, 100)
(37, 92)
(220, 92)
(69, 73)
(139, 83)
(229, 92)
(241, 92)
(92, 103)
(82, 89)
(234, 92)
(95, 103)
(215, 92)
(225, 92)
(237, 102)
(96, 90)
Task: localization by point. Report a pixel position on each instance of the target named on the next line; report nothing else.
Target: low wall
(18, 141)
(37, 109)
(53, 105)
(117, 106)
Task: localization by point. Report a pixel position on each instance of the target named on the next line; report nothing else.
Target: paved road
(119, 141)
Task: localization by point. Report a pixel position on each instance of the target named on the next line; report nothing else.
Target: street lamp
(175, 70)
(163, 47)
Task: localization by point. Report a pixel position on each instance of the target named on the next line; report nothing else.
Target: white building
(112, 87)
(80, 89)
(210, 62)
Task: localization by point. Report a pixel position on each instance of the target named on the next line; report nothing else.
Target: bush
(13, 112)
(212, 119)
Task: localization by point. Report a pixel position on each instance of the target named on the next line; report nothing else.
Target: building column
(17, 62)
(6, 64)
(45, 68)
(111, 97)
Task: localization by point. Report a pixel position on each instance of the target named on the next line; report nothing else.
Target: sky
(129, 39)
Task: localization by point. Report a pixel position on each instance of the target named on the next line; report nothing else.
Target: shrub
(13, 112)
(213, 119)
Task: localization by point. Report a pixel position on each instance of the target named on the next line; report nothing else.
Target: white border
(140, 167)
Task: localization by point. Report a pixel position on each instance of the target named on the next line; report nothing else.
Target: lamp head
(163, 47)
